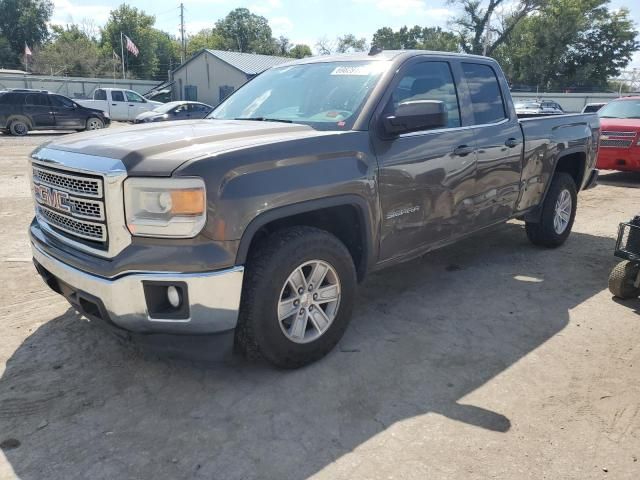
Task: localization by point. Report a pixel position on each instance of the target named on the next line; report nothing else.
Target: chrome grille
(615, 143)
(71, 183)
(87, 230)
(611, 133)
(71, 204)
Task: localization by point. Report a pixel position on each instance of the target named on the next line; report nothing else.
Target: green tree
(6, 54)
(349, 43)
(243, 31)
(207, 38)
(482, 26)
(138, 26)
(427, 38)
(300, 51)
(167, 50)
(71, 52)
(569, 43)
(23, 22)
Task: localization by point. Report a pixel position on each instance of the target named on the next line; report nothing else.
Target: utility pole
(183, 55)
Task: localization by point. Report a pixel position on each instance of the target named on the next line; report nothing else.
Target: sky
(302, 21)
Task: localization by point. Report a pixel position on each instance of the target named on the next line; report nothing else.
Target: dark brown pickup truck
(261, 219)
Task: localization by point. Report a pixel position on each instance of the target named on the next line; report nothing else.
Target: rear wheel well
(574, 165)
(344, 221)
(21, 118)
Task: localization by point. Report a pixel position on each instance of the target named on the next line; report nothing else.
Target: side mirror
(414, 116)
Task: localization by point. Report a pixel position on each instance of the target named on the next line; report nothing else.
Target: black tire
(622, 278)
(18, 128)
(259, 332)
(543, 232)
(94, 123)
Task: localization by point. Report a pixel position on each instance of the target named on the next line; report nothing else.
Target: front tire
(297, 297)
(558, 213)
(94, 123)
(622, 280)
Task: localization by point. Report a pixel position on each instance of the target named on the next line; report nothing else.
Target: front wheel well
(346, 222)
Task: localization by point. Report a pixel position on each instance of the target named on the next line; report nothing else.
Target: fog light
(173, 296)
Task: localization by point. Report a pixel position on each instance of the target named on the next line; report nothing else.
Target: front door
(426, 178)
(66, 113)
(499, 142)
(137, 104)
(38, 110)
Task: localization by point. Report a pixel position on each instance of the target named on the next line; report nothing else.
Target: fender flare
(278, 213)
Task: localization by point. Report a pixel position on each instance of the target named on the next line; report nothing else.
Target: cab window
(36, 100)
(117, 96)
(429, 81)
(486, 98)
(62, 102)
(134, 97)
(100, 95)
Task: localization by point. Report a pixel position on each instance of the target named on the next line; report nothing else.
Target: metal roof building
(212, 75)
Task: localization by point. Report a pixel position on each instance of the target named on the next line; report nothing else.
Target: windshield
(621, 109)
(164, 108)
(326, 96)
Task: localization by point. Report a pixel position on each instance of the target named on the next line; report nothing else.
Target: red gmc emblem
(52, 198)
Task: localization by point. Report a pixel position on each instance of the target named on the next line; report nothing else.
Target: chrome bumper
(213, 297)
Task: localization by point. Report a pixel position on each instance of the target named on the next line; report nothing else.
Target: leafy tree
(138, 26)
(243, 31)
(168, 52)
(282, 46)
(427, 38)
(300, 51)
(349, 43)
(71, 52)
(207, 38)
(479, 31)
(6, 54)
(569, 43)
(23, 21)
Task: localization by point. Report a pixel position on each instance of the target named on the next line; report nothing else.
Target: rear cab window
(100, 95)
(484, 89)
(117, 96)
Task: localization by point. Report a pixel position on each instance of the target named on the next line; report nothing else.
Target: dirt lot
(489, 359)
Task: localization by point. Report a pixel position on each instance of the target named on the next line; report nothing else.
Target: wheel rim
(95, 124)
(562, 212)
(309, 301)
(20, 128)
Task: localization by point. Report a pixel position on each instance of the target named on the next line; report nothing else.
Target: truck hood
(620, 124)
(157, 149)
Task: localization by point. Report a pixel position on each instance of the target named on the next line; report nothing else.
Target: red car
(620, 135)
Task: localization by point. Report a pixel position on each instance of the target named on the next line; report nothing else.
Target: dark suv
(24, 110)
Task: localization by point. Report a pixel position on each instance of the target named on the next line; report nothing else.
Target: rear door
(426, 178)
(67, 114)
(38, 110)
(499, 141)
(119, 107)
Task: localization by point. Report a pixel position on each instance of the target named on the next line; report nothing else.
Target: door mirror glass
(414, 116)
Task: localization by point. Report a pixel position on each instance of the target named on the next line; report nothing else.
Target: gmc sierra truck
(260, 220)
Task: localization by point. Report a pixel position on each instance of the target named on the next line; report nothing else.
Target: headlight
(165, 207)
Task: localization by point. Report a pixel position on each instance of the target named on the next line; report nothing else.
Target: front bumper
(212, 299)
(624, 159)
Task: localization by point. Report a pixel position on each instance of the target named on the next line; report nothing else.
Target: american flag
(131, 46)
(27, 50)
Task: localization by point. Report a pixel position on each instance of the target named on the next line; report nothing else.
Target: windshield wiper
(264, 119)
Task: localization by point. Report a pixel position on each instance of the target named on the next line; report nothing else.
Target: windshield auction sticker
(362, 70)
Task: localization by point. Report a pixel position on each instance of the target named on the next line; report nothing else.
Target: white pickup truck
(119, 104)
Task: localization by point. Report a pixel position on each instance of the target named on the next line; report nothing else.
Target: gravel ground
(487, 359)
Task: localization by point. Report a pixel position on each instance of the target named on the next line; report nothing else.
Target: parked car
(536, 108)
(181, 110)
(620, 138)
(592, 107)
(24, 110)
(119, 104)
(259, 220)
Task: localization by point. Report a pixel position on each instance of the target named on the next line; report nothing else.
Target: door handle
(114, 104)
(511, 142)
(463, 150)
(131, 105)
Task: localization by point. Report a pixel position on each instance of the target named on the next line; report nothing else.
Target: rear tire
(268, 326)
(558, 213)
(18, 128)
(622, 278)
